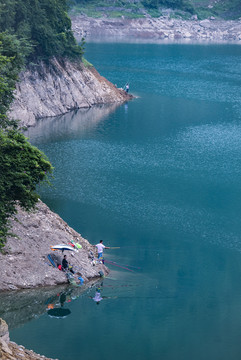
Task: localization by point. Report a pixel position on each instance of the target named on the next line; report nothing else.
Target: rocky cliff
(162, 28)
(24, 262)
(58, 87)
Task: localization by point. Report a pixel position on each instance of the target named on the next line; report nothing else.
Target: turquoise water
(160, 177)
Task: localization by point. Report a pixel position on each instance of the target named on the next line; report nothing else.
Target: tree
(12, 55)
(29, 30)
(22, 166)
(44, 23)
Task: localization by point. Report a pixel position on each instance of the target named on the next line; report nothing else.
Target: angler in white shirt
(100, 248)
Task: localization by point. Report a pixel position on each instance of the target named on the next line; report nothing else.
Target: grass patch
(91, 12)
(180, 15)
(86, 63)
(98, 13)
(119, 14)
(155, 13)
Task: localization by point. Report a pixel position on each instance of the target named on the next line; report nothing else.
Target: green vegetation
(115, 9)
(221, 9)
(12, 57)
(43, 24)
(127, 8)
(22, 166)
(138, 8)
(30, 30)
(184, 5)
(86, 63)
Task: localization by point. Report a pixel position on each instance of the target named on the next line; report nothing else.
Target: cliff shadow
(70, 125)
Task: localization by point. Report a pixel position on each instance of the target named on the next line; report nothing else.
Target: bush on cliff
(12, 55)
(22, 167)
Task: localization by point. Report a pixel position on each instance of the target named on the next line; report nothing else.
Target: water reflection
(74, 124)
(98, 297)
(21, 307)
(56, 307)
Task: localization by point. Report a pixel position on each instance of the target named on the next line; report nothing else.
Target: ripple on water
(164, 182)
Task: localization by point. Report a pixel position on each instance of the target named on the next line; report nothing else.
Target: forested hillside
(43, 26)
(185, 9)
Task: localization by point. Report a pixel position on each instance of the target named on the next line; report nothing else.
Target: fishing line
(135, 267)
(108, 262)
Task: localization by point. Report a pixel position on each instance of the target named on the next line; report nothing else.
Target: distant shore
(157, 29)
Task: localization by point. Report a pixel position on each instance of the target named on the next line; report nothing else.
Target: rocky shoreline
(163, 28)
(27, 278)
(24, 260)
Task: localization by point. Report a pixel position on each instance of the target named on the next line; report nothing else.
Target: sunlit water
(161, 178)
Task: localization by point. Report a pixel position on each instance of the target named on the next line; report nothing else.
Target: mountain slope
(221, 9)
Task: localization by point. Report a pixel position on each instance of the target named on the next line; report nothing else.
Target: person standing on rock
(127, 88)
(100, 248)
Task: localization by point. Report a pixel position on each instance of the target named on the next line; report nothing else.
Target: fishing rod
(117, 247)
(135, 267)
(108, 262)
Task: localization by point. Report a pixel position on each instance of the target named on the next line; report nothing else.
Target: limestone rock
(55, 88)
(159, 28)
(4, 330)
(24, 261)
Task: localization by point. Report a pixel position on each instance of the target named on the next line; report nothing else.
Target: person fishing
(100, 247)
(127, 87)
(66, 266)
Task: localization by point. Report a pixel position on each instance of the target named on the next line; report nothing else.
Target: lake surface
(160, 177)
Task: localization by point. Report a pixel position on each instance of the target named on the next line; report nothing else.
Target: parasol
(62, 247)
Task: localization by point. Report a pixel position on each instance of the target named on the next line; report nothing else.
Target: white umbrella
(62, 247)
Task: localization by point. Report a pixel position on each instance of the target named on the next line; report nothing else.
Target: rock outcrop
(58, 87)
(162, 28)
(24, 261)
(11, 351)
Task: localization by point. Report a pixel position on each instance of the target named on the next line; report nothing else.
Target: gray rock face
(162, 28)
(4, 335)
(53, 89)
(24, 262)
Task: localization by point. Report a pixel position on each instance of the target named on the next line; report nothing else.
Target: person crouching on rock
(65, 265)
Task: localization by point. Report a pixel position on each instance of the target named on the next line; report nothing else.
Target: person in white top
(100, 248)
